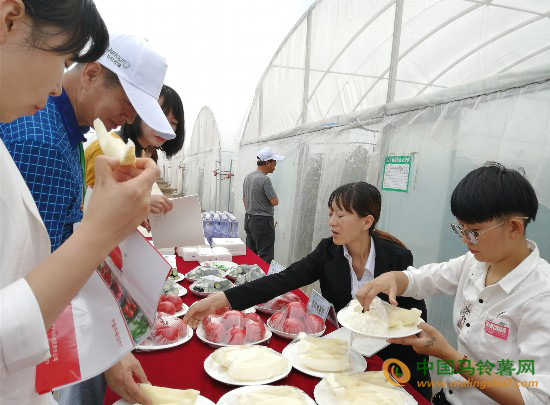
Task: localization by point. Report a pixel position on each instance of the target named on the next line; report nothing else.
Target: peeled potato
(323, 354)
(115, 147)
(169, 396)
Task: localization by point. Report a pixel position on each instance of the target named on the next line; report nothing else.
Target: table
(182, 367)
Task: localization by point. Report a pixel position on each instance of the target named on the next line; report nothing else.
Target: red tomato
(252, 317)
(296, 310)
(116, 257)
(277, 319)
(236, 336)
(158, 330)
(170, 333)
(166, 307)
(314, 324)
(255, 331)
(174, 299)
(181, 326)
(222, 310)
(279, 303)
(233, 318)
(215, 332)
(293, 326)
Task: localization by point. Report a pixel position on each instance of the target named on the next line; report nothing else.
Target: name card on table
(275, 268)
(318, 305)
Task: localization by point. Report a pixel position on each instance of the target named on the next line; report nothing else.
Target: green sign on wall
(397, 172)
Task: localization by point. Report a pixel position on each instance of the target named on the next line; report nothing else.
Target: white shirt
(368, 275)
(24, 243)
(508, 320)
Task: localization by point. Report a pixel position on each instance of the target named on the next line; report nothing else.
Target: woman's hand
(160, 204)
(201, 309)
(429, 341)
(120, 200)
(386, 283)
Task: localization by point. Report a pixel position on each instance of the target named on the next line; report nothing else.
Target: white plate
(218, 373)
(290, 335)
(200, 401)
(242, 390)
(222, 265)
(182, 311)
(176, 279)
(392, 333)
(202, 336)
(168, 346)
(181, 290)
(358, 363)
(323, 395)
(361, 344)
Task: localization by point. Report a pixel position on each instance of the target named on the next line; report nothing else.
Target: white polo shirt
(368, 275)
(508, 320)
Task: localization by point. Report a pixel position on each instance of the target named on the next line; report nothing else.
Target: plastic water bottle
(207, 224)
(234, 233)
(226, 226)
(216, 226)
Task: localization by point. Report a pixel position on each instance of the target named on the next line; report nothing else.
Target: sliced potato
(115, 147)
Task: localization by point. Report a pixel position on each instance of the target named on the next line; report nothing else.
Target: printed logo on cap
(118, 60)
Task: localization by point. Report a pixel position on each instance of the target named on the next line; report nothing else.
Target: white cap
(266, 154)
(141, 72)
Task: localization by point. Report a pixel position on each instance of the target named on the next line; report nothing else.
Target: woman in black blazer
(354, 210)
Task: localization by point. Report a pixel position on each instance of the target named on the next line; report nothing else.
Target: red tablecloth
(183, 366)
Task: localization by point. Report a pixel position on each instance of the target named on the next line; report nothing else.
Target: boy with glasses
(502, 289)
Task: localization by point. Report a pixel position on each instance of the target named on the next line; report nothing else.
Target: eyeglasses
(472, 236)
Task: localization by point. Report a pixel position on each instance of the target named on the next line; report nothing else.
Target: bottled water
(225, 226)
(234, 231)
(207, 225)
(216, 233)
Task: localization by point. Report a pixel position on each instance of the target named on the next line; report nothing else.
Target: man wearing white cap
(259, 198)
(47, 148)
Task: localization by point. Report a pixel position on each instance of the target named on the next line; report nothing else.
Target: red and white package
(295, 319)
(167, 330)
(278, 303)
(169, 304)
(233, 328)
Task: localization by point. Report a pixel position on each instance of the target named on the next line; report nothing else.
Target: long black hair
(171, 102)
(492, 192)
(364, 199)
(88, 37)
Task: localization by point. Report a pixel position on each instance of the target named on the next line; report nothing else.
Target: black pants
(260, 236)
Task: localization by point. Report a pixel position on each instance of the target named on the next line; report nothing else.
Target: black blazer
(328, 264)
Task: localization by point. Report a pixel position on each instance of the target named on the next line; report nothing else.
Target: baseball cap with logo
(266, 154)
(141, 72)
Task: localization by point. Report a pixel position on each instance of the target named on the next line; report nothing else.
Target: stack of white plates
(235, 246)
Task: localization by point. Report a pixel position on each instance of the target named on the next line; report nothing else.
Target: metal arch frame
(337, 57)
(417, 43)
(481, 46)
(523, 59)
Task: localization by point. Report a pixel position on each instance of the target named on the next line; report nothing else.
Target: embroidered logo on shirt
(499, 330)
(464, 313)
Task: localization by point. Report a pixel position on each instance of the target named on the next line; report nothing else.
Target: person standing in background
(259, 198)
